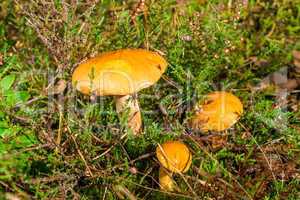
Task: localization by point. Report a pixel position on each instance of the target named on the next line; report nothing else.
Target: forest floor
(56, 143)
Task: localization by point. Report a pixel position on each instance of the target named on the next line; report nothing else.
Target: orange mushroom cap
(174, 156)
(120, 72)
(218, 112)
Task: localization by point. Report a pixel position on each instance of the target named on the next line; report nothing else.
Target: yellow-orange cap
(218, 112)
(120, 72)
(174, 156)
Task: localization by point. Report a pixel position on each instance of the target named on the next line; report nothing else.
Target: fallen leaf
(19, 44)
(218, 141)
(297, 63)
(278, 79)
(246, 135)
(290, 84)
(259, 61)
(296, 54)
(10, 196)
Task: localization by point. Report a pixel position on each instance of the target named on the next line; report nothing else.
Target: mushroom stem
(134, 117)
(165, 180)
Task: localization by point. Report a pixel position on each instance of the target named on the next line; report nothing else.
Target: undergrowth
(209, 45)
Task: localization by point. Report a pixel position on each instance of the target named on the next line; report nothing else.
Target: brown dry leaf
(59, 88)
(289, 85)
(4, 9)
(246, 135)
(278, 80)
(218, 141)
(19, 44)
(297, 63)
(296, 54)
(259, 61)
(257, 9)
(297, 72)
(294, 102)
(264, 84)
(10, 196)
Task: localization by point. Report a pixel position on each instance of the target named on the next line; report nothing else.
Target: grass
(210, 45)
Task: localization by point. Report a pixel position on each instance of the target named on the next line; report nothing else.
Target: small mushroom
(122, 74)
(219, 111)
(174, 157)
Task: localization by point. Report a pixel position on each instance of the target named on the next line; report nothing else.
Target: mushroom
(219, 111)
(174, 157)
(121, 74)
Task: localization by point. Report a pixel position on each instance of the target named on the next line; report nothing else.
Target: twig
(267, 160)
(81, 155)
(58, 139)
(53, 178)
(30, 101)
(109, 149)
(147, 155)
(171, 82)
(105, 190)
(36, 147)
(105, 152)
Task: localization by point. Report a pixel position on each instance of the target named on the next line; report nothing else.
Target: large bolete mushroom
(218, 112)
(174, 156)
(120, 73)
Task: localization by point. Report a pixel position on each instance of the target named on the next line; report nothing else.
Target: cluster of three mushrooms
(123, 73)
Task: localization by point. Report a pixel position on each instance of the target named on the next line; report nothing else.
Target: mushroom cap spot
(218, 112)
(120, 72)
(174, 156)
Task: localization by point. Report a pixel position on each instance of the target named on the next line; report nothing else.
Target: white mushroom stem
(165, 180)
(128, 103)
